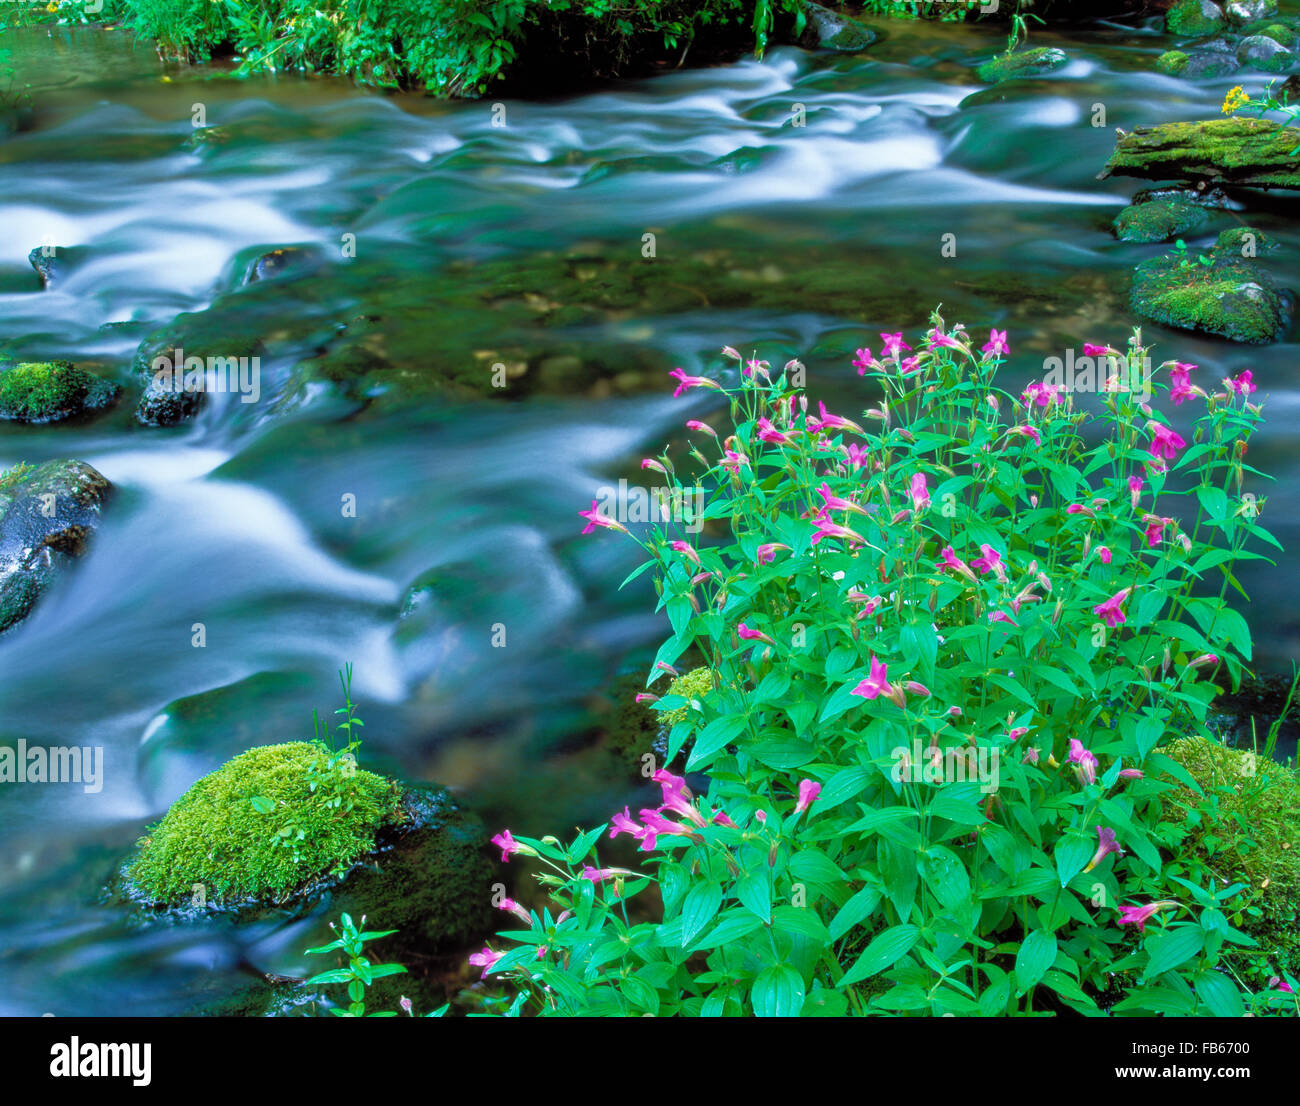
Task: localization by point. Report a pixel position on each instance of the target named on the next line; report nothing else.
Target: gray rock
(1247, 11)
(1265, 53)
(47, 516)
(827, 30)
(1211, 64)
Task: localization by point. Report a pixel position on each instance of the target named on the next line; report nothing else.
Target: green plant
(360, 973)
(934, 749)
(1237, 100)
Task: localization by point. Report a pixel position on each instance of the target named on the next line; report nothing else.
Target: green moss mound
(43, 391)
(223, 832)
(1249, 152)
(1023, 63)
(1193, 17)
(1158, 220)
(1172, 62)
(1246, 829)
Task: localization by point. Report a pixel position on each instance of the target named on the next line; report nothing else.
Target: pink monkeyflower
(732, 460)
(1080, 509)
(1155, 530)
(769, 433)
(949, 559)
(913, 688)
(1086, 763)
(684, 382)
(1131, 774)
(1090, 350)
(1180, 386)
(407, 1006)
(687, 550)
(753, 366)
(720, 819)
(1017, 733)
(909, 365)
(1110, 611)
(703, 427)
(997, 343)
(991, 561)
(1002, 616)
(599, 875)
(677, 796)
(893, 344)
(515, 909)
(485, 960)
(919, 492)
(596, 519)
(507, 844)
(767, 552)
(1029, 432)
(1030, 757)
(1139, 915)
(833, 422)
(646, 697)
(808, 792)
(623, 823)
(1041, 395)
(1243, 383)
(1165, 441)
(828, 529)
(1104, 553)
(656, 826)
(954, 712)
(863, 360)
(1203, 660)
(937, 339)
(857, 456)
(876, 684)
(651, 463)
(1134, 490)
(1278, 983)
(1106, 843)
(746, 634)
(836, 503)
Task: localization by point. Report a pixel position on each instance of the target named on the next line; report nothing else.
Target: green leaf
(884, 952)
(845, 784)
(778, 993)
(801, 921)
(698, 909)
(860, 906)
(755, 893)
(1220, 995)
(715, 736)
(1172, 949)
(815, 866)
(1073, 852)
(1036, 955)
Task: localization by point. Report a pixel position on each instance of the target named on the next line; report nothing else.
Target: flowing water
(790, 240)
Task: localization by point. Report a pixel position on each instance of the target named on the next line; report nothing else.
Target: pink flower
(920, 493)
(1104, 553)
(1155, 530)
(833, 422)
(828, 529)
(623, 823)
(1134, 490)
(1165, 442)
(1110, 610)
(731, 461)
(767, 552)
(1030, 757)
(876, 684)
(1203, 660)
(893, 344)
(1138, 915)
(949, 559)
(1001, 616)
(836, 503)
(485, 960)
(720, 819)
(1280, 984)
(656, 826)
(596, 519)
(1042, 395)
(863, 361)
(1106, 844)
(990, 562)
(997, 343)
(684, 382)
(598, 875)
(1017, 733)
(1130, 773)
(1242, 384)
(1027, 432)
(515, 909)
(937, 339)
(913, 688)
(1086, 762)
(1090, 350)
(651, 463)
(909, 365)
(407, 1006)
(808, 792)
(704, 427)
(507, 844)
(1080, 509)
(769, 433)
(857, 456)
(746, 634)
(687, 550)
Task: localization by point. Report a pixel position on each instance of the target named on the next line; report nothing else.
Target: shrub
(949, 656)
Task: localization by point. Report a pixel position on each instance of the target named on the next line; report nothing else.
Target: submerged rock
(49, 391)
(52, 262)
(47, 516)
(1194, 17)
(1223, 292)
(1250, 152)
(1023, 63)
(1158, 220)
(828, 30)
(1172, 62)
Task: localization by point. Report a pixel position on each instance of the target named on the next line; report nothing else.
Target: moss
(1280, 33)
(694, 684)
(1246, 828)
(1158, 220)
(216, 836)
(1023, 63)
(1193, 17)
(11, 478)
(1237, 150)
(1172, 62)
(42, 391)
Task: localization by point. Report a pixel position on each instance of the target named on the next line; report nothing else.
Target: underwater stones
(1223, 292)
(1194, 17)
(828, 30)
(1172, 62)
(1264, 53)
(1022, 63)
(47, 516)
(49, 391)
(1240, 151)
(1158, 220)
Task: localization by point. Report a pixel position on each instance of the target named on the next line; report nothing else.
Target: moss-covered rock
(1245, 828)
(47, 391)
(1172, 62)
(1159, 220)
(1211, 63)
(828, 30)
(48, 513)
(1253, 152)
(1279, 32)
(1022, 63)
(1223, 292)
(257, 829)
(1194, 17)
(1263, 52)
(1244, 11)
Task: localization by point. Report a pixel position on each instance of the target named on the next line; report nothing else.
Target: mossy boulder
(1172, 62)
(1280, 33)
(1223, 292)
(48, 391)
(1263, 52)
(1245, 828)
(1240, 151)
(1159, 220)
(1244, 11)
(48, 513)
(1211, 63)
(828, 30)
(1190, 18)
(1022, 63)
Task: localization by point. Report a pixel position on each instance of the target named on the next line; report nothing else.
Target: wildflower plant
(1238, 99)
(963, 578)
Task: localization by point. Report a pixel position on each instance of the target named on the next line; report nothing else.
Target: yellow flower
(1236, 98)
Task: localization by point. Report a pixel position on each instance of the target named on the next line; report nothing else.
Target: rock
(1194, 17)
(827, 30)
(1210, 64)
(47, 516)
(1159, 220)
(1245, 11)
(1240, 151)
(170, 397)
(1172, 62)
(274, 263)
(49, 391)
(1023, 63)
(52, 263)
(1264, 53)
(1224, 292)
(1279, 32)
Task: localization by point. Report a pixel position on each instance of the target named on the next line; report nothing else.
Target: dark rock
(47, 516)
(52, 263)
(828, 30)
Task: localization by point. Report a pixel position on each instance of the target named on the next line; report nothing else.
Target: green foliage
(360, 973)
(42, 390)
(268, 823)
(948, 657)
(691, 687)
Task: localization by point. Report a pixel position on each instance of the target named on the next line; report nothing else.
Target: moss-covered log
(1251, 152)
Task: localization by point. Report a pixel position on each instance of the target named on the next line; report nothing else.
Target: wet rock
(1022, 63)
(828, 30)
(1249, 152)
(49, 391)
(274, 263)
(47, 516)
(171, 393)
(1209, 64)
(1159, 220)
(1194, 17)
(1264, 53)
(1172, 62)
(1244, 11)
(1224, 292)
(52, 263)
